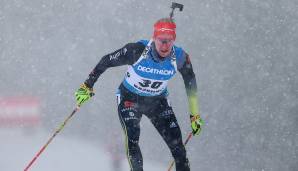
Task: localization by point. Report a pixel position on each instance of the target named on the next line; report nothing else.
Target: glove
(196, 124)
(83, 94)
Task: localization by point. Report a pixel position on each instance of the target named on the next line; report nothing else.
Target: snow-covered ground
(64, 154)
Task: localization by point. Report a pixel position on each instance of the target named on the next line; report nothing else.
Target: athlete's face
(164, 44)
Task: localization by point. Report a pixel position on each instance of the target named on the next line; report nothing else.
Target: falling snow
(244, 54)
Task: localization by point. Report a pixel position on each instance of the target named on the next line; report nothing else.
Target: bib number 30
(148, 83)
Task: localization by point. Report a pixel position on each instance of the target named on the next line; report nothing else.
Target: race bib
(142, 85)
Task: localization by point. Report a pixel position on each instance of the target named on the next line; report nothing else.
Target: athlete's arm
(127, 55)
(186, 70)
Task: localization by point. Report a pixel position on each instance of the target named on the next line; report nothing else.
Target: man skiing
(151, 64)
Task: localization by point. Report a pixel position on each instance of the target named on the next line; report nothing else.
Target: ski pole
(186, 141)
(52, 137)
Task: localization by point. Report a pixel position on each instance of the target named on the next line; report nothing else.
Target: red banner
(19, 111)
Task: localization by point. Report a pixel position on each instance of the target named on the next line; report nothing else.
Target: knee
(133, 140)
(177, 148)
(179, 151)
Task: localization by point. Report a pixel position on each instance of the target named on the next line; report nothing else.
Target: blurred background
(244, 54)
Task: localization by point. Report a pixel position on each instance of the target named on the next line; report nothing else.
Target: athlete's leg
(165, 122)
(130, 120)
